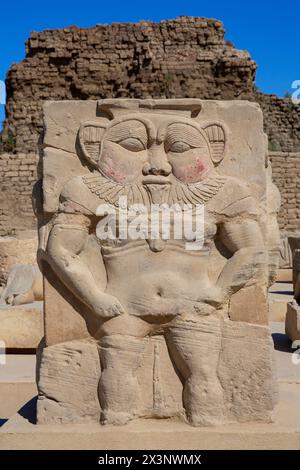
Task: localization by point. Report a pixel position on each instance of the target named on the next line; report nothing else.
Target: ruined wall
(281, 121)
(286, 175)
(186, 57)
(18, 172)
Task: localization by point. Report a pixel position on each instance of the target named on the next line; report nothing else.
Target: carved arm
(247, 265)
(66, 242)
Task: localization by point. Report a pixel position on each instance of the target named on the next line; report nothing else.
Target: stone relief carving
(292, 318)
(289, 243)
(159, 315)
(272, 206)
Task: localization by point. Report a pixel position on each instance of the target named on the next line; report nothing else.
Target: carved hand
(214, 296)
(107, 306)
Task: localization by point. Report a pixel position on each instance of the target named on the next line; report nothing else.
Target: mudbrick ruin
(183, 58)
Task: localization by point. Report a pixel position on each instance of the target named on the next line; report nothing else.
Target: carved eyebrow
(180, 132)
(128, 129)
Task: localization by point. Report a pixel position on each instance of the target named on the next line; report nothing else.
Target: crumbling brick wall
(282, 122)
(286, 176)
(18, 172)
(186, 57)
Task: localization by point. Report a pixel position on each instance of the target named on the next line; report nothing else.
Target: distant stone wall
(281, 121)
(286, 176)
(186, 57)
(18, 172)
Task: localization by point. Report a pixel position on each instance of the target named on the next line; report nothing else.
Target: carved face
(163, 155)
(155, 149)
(141, 145)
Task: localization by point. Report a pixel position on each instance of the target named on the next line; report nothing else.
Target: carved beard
(137, 193)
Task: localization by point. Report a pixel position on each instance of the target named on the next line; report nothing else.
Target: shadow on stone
(283, 292)
(28, 411)
(282, 342)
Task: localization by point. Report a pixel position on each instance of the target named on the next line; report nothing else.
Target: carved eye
(180, 147)
(132, 143)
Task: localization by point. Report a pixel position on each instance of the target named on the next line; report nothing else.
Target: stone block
(292, 321)
(21, 327)
(145, 327)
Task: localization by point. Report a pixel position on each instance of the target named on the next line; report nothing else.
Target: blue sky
(269, 30)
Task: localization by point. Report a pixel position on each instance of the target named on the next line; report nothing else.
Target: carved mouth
(155, 180)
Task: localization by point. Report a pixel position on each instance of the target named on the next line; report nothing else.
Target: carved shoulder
(76, 198)
(235, 199)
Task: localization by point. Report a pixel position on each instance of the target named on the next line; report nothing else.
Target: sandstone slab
(156, 326)
(16, 250)
(292, 321)
(21, 327)
(70, 373)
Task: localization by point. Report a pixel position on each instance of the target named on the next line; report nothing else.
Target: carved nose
(158, 165)
(162, 170)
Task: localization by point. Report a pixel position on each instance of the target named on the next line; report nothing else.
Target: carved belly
(156, 283)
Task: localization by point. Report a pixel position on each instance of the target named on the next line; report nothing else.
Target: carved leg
(194, 345)
(120, 357)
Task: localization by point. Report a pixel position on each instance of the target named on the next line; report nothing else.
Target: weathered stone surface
(61, 126)
(16, 250)
(281, 123)
(157, 313)
(21, 327)
(70, 373)
(245, 369)
(249, 305)
(68, 383)
(286, 176)
(282, 433)
(24, 285)
(18, 174)
(273, 205)
(292, 321)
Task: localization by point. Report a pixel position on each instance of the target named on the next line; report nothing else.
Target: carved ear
(216, 135)
(90, 136)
